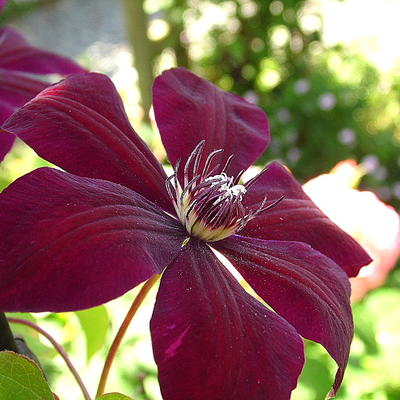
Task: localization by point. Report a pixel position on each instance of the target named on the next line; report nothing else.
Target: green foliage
(373, 368)
(113, 396)
(21, 379)
(95, 324)
(324, 104)
(32, 338)
(316, 377)
(21, 161)
(15, 9)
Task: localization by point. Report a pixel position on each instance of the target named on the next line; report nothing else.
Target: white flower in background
(284, 115)
(327, 101)
(293, 155)
(396, 190)
(251, 97)
(302, 86)
(370, 163)
(347, 136)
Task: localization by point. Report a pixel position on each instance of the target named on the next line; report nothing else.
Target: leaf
(365, 327)
(31, 337)
(317, 377)
(113, 396)
(21, 379)
(94, 323)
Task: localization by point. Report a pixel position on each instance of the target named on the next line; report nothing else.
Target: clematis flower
(375, 225)
(17, 61)
(76, 239)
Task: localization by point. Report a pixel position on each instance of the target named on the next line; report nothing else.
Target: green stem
(59, 349)
(142, 49)
(122, 330)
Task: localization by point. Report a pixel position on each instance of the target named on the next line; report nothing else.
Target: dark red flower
(71, 241)
(17, 60)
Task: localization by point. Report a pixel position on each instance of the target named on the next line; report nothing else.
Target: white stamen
(232, 192)
(217, 179)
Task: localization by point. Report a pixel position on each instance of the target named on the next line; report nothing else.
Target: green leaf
(113, 396)
(365, 327)
(31, 337)
(21, 379)
(94, 323)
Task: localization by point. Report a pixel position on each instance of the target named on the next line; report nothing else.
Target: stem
(136, 21)
(7, 341)
(59, 349)
(122, 330)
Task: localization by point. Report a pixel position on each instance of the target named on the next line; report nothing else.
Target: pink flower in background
(18, 60)
(375, 225)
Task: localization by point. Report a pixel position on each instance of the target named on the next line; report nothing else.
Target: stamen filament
(189, 186)
(253, 180)
(228, 163)
(196, 154)
(263, 209)
(209, 159)
(238, 176)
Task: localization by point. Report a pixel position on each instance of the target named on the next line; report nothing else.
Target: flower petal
(305, 287)
(189, 109)
(70, 243)
(16, 54)
(6, 142)
(17, 89)
(297, 218)
(214, 341)
(6, 139)
(2, 4)
(80, 125)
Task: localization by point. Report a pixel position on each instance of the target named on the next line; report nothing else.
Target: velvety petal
(70, 243)
(2, 4)
(80, 125)
(212, 340)
(6, 139)
(305, 287)
(297, 218)
(17, 89)
(5, 111)
(189, 109)
(6, 142)
(16, 54)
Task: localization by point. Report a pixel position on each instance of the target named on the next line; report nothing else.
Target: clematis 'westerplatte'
(17, 61)
(76, 239)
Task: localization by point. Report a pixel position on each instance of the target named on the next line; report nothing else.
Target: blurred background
(327, 73)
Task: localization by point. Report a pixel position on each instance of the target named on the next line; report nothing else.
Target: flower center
(212, 210)
(210, 205)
